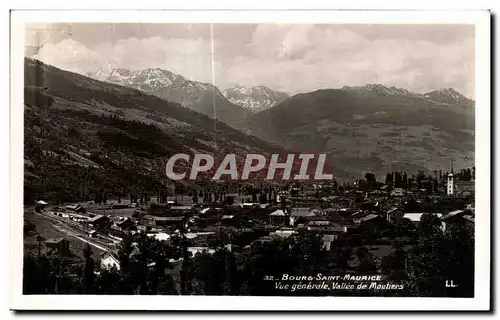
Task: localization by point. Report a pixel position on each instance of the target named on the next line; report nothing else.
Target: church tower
(449, 188)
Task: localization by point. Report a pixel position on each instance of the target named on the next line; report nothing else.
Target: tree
(438, 257)
(228, 200)
(366, 262)
(88, 274)
(40, 239)
(460, 258)
(397, 180)
(429, 222)
(37, 277)
(405, 181)
(262, 198)
(395, 266)
(109, 282)
(388, 179)
(370, 178)
(368, 234)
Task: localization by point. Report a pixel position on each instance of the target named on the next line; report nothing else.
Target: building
(327, 241)
(161, 236)
(415, 218)
(318, 224)
(469, 220)
(154, 221)
(373, 219)
(116, 234)
(180, 210)
(394, 215)
(230, 220)
(148, 220)
(455, 217)
(109, 260)
(41, 204)
(232, 248)
(278, 217)
(250, 205)
(59, 244)
(75, 208)
(449, 185)
(464, 188)
(283, 232)
(100, 222)
(196, 250)
(119, 206)
(397, 192)
(124, 224)
(300, 214)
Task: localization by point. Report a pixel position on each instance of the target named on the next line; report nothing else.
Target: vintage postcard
(242, 160)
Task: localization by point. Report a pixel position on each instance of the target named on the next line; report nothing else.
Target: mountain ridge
(255, 98)
(199, 96)
(440, 96)
(443, 95)
(83, 135)
(371, 128)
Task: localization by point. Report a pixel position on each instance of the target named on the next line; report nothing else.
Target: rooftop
(302, 212)
(54, 240)
(415, 216)
(180, 208)
(168, 218)
(469, 218)
(368, 218)
(328, 238)
(452, 214)
(393, 209)
(94, 219)
(279, 213)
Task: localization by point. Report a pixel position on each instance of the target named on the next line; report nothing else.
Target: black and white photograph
(245, 158)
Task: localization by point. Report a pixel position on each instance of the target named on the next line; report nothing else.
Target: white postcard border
(481, 301)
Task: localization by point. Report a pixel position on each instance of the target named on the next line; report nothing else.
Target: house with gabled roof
(109, 260)
(300, 214)
(394, 215)
(278, 217)
(99, 221)
(456, 217)
(371, 218)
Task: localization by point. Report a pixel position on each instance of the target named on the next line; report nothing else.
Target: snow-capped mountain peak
(447, 96)
(441, 96)
(447, 92)
(380, 90)
(199, 96)
(255, 98)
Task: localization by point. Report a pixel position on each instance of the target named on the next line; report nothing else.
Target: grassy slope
(82, 135)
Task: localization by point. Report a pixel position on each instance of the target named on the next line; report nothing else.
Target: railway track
(74, 230)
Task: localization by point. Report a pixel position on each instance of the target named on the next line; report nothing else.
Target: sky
(292, 58)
